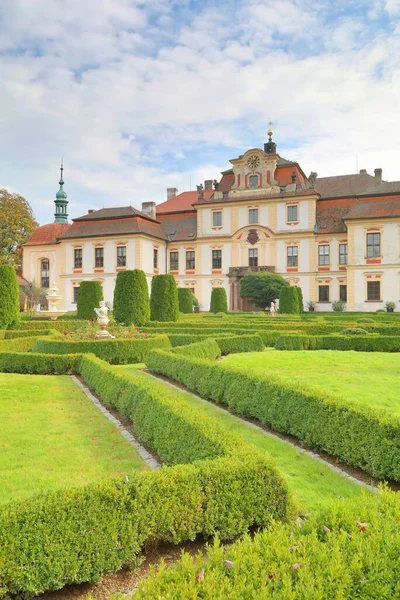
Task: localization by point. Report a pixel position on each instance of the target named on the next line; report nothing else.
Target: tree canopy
(261, 288)
(16, 225)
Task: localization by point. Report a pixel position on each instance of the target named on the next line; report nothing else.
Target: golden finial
(270, 131)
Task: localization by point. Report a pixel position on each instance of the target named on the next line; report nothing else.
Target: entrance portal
(235, 274)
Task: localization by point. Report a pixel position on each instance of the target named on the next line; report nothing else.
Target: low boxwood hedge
(34, 324)
(115, 352)
(208, 349)
(360, 343)
(11, 334)
(240, 343)
(37, 364)
(348, 551)
(222, 486)
(358, 435)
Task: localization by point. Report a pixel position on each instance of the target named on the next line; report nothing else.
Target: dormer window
(253, 181)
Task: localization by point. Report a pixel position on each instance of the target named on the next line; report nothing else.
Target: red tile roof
(109, 226)
(332, 214)
(179, 227)
(117, 212)
(353, 185)
(181, 202)
(47, 234)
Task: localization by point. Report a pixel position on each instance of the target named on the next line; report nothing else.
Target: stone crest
(252, 237)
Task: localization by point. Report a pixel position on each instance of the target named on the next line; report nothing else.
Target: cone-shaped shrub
(185, 297)
(89, 296)
(289, 300)
(131, 298)
(164, 304)
(301, 301)
(9, 297)
(219, 302)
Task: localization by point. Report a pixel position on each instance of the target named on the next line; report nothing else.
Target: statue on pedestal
(103, 320)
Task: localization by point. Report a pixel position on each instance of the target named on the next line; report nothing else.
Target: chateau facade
(335, 237)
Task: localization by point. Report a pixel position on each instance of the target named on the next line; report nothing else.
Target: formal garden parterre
(218, 477)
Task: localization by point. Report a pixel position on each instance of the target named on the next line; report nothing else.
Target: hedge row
(239, 343)
(78, 535)
(24, 344)
(184, 339)
(72, 325)
(361, 343)
(208, 349)
(358, 435)
(115, 352)
(38, 364)
(11, 334)
(348, 551)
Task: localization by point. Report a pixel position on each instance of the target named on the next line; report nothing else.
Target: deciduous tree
(16, 225)
(261, 288)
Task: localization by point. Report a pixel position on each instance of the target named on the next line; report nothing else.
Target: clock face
(253, 161)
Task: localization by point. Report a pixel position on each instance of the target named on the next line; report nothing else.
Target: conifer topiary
(185, 297)
(131, 298)
(89, 296)
(289, 300)
(301, 301)
(164, 304)
(9, 297)
(219, 301)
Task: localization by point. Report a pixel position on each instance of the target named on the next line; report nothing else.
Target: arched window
(45, 273)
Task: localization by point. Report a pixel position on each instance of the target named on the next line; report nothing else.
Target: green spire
(61, 202)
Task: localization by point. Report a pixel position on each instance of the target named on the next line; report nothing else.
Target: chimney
(171, 193)
(208, 184)
(363, 171)
(378, 176)
(91, 211)
(149, 209)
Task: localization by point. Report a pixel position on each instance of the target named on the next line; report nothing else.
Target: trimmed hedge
(185, 298)
(90, 295)
(219, 301)
(358, 435)
(184, 339)
(289, 300)
(77, 535)
(239, 343)
(300, 298)
(9, 297)
(11, 334)
(208, 349)
(349, 550)
(131, 298)
(39, 324)
(360, 343)
(37, 364)
(164, 304)
(115, 352)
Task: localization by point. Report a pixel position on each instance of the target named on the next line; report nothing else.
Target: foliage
(219, 301)
(350, 550)
(34, 295)
(390, 305)
(365, 320)
(89, 296)
(131, 298)
(289, 300)
(37, 364)
(356, 434)
(164, 304)
(9, 297)
(338, 306)
(186, 300)
(354, 331)
(16, 225)
(261, 288)
(240, 343)
(301, 301)
(359, 343)
(208, 349)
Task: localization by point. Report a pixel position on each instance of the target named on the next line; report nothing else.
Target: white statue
(272, 308)
(103, 320)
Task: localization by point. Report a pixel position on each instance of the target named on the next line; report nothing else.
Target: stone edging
(143, 453)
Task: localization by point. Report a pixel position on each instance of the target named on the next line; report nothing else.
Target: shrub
(219, 301)
(349, 550)
(37, 364)
(89, 296)
(208, 349)
(358, 343)
(164, 304)
(185, 297)
(9, 297)
(338, 306)
(115, 352)
(354, 331)
(365, 320)
(289, 300)
(358, 435)
(301, 301)
(261, 288)
(240, 343)
(131, 298)
(40, 324)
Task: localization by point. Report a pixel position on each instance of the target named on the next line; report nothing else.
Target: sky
(138, 96)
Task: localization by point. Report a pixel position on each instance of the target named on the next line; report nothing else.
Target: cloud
(139, 96)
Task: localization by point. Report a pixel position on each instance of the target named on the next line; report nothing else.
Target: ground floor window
(75, 293)
(343, 293)
(374, 290)
(253, 257)
(323, 293)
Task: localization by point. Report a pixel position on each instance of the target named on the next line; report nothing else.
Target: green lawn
(52, 436)
(313, 483)
(370, 378)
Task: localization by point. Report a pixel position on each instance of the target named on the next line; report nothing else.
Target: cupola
(61, 202)
(270, 146)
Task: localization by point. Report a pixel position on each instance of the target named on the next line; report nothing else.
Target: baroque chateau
(338, 238)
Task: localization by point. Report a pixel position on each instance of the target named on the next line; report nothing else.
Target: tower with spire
(61, 202)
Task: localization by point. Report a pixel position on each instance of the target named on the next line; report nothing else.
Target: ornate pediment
(254, 174)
